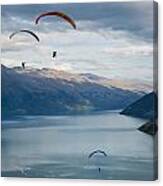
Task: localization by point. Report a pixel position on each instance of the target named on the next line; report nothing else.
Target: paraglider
(25, 31)
(92, 154)
(59, 14)
(28, 32)
(54, 54)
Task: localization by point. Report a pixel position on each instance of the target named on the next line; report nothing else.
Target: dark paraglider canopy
(59, 14)
(54, 54)
(97, 152)
(25, 31)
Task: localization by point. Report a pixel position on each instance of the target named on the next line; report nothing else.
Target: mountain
(49, 92)
(145, 107)
(132, 85)
(149, 128)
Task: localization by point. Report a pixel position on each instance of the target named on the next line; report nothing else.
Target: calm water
(58, 146)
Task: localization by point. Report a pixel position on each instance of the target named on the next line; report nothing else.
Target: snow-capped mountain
(47, 92)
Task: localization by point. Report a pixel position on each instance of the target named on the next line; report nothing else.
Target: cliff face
(145, 107)
(48, 92)
(149, 128)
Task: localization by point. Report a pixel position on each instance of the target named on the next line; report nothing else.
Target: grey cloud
(135, 17)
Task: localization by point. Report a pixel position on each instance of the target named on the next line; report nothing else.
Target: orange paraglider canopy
(59, 14)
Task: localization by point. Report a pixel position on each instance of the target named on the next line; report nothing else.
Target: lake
(59, 146)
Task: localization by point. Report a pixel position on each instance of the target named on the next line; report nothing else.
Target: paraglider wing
(97, 151)
(26, 31)
(59, 14)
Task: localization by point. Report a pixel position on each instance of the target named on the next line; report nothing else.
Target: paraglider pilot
(23, 65)
(54, 54)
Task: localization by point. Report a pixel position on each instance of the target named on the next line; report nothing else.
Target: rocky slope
(145, 107)
(149, 128)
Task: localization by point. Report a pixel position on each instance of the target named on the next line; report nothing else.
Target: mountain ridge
(50, 92)
(145, 107)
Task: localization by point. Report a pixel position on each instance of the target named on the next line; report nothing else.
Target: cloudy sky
(114, 40)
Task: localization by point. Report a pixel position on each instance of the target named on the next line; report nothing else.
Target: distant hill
(49, 92)
(145, 107)
(150, 128)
